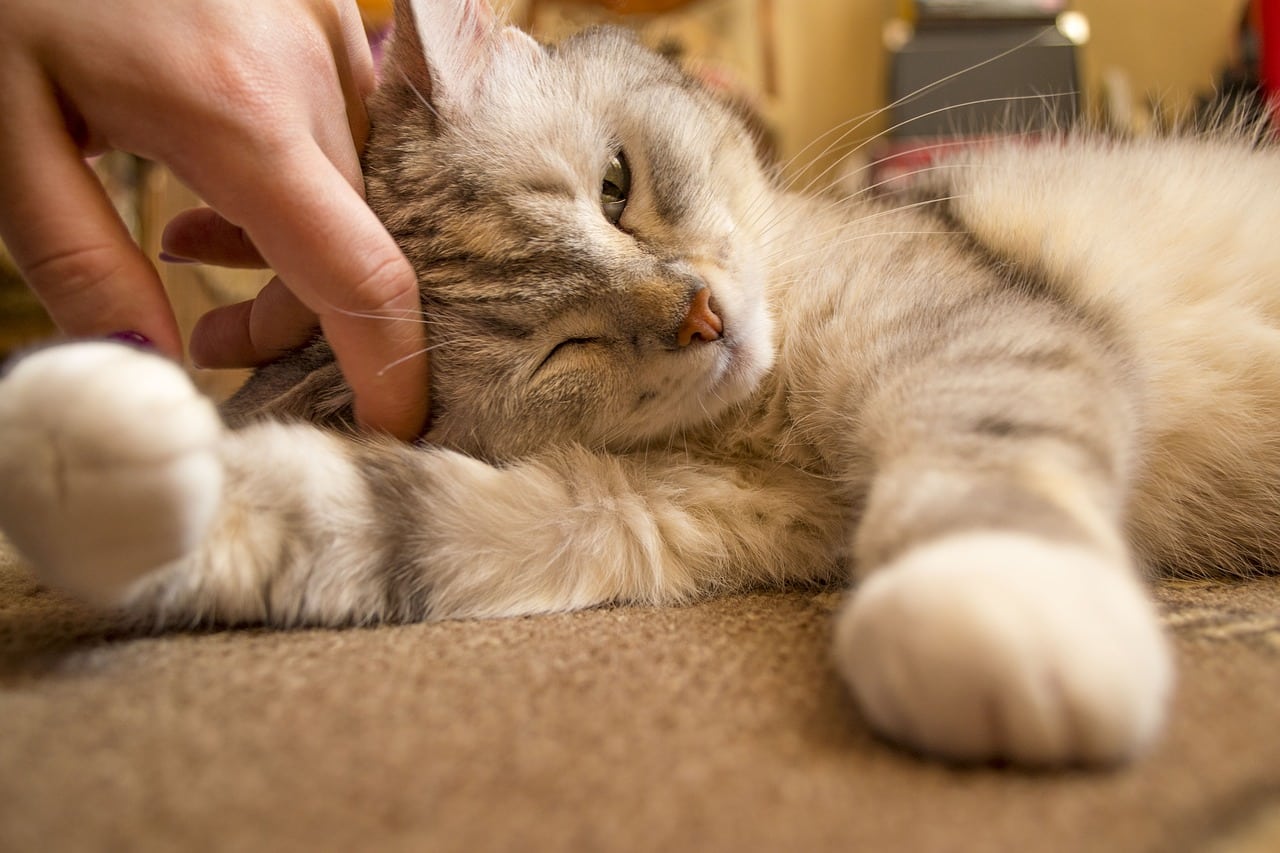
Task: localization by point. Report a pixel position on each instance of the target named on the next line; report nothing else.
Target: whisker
(909, 97)
(932, 146)
(853, 238)
(422, 100)
(753, 222)
(852, 198)
(412, 355)
(406, 315)
(977, 102)
(753, 218)
(847, 200)
(879, 214)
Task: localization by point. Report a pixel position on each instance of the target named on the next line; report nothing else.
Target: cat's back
(1173, 243)
(1167, 250)
(1137, 222)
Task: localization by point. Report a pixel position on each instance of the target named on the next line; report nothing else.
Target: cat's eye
(615, 187)
(565, 346)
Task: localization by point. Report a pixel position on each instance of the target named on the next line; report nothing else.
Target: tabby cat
(657, 376)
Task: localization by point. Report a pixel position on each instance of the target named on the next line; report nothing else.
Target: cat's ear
(447, 48)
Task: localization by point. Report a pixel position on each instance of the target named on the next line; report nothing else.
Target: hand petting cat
(258, 107)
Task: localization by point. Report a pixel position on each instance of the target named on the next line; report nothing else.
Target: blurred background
(800, 68)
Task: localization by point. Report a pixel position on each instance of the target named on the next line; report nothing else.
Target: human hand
(258, 107)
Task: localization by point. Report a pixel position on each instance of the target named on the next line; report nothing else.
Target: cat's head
(584, 220)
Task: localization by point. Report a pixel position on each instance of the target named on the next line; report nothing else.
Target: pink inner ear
(444, 46)
(477, 17)
(405, 54)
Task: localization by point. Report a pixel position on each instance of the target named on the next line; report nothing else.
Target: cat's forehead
(588, 96)
(498, 203)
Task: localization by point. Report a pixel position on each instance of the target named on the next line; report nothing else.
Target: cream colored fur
(1176, 241)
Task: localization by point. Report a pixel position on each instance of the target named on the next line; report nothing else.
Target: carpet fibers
(715, 727)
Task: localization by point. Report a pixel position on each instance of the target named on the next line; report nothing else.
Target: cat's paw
(990, 646)
(109, 465)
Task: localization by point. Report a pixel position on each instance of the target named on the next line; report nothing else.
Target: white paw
(108, 460)
(1000, 646)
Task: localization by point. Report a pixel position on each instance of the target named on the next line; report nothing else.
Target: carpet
(714, 727)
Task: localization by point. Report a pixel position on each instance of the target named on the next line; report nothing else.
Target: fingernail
(132, 338)
(174, 259)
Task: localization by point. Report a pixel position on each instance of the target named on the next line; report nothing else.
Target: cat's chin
(730, 373)
(739, 365)
(740, 368)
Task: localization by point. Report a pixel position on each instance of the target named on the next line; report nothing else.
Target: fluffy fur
(992, 408)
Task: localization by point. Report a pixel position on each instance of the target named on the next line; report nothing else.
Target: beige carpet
(718, 727)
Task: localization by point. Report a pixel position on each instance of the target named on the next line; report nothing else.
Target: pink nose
(701, 323)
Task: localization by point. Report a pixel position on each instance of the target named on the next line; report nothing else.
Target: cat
(657, 376)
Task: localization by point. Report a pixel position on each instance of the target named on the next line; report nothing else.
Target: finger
(389, 380)
(220, 338)
(62, 231)
(342, 265)
(339, 122)
(356, 75)
(200, 234)
(254, 332)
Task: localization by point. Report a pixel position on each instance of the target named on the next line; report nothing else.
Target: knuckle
(69, 271)
(387, 281)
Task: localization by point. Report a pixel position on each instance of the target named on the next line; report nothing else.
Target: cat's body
(993, 407)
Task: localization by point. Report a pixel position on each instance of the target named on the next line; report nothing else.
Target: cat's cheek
(748, 357)
(582, 403)
(745, 353)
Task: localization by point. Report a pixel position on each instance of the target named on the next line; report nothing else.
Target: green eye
(615, 187)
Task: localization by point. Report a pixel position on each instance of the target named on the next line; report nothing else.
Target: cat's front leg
(319, 529)
(109, 465)
(1002, 645)
(999, 614)
(126, 490)
(123, 488)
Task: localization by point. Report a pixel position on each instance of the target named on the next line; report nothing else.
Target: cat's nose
(701, 323)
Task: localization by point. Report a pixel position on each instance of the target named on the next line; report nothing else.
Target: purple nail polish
(135, 339)
(174, 259)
